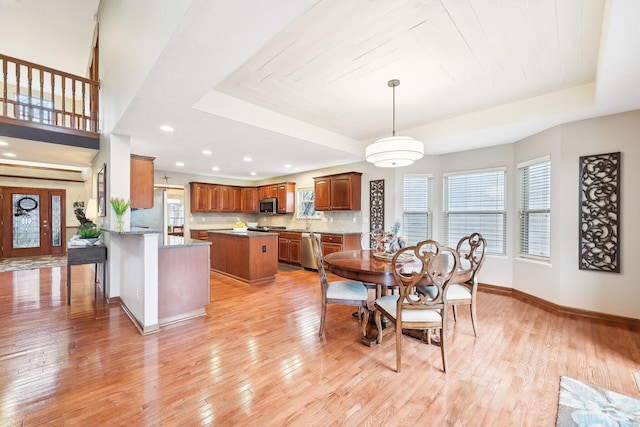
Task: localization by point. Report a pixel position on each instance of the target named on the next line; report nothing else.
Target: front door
(32, 221)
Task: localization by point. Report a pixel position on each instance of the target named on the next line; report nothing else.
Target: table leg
(68, 284)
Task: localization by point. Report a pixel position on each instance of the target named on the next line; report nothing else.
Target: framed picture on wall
(101, 177)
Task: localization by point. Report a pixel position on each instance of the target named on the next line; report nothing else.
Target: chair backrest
(317, 252)
(178, 228)
(373, 239)
(472, 250)
(433, 264)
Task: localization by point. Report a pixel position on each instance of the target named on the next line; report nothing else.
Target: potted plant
(89, 233)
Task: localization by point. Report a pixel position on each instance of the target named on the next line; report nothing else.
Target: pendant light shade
(394, 151)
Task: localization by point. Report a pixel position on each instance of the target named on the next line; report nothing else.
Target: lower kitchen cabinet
(199, 234)
(289, 247)
(339, 242)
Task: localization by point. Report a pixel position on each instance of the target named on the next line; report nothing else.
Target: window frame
(428, 211)
(447, 214)
(523, 211)
(300, 201)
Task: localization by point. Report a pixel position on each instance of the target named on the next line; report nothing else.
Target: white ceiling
(473, 73)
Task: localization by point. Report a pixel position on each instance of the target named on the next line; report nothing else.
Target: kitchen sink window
(306, 204)
(474, 201)
(175, 207)
(417, 215)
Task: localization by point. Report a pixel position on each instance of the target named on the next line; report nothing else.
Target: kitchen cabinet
(141, 182)
(268, 191)
(286, 197)
(249, 200)
(199, 197)
(225, 198)
(199, 234)
(339, 242)
(218, 252)
(340, 192)
(289, 247)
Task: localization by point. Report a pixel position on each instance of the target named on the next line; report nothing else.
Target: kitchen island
(251, 256)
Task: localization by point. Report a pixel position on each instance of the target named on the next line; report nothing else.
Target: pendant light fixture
(394, 151)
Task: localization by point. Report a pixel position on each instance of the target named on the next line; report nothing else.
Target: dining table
(369, 267)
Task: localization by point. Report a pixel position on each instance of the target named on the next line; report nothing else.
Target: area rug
(32, 263)
(585, 405)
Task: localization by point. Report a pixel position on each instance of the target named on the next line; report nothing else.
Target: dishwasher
(308, 258)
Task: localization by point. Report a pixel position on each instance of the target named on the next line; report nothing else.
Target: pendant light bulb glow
(394, 151)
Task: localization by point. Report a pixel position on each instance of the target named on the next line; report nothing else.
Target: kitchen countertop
(246, 233)
(179, 241)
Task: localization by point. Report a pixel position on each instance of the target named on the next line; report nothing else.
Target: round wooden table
(360, 264)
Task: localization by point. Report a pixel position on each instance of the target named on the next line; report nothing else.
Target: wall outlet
(330, 219)
(355, 220)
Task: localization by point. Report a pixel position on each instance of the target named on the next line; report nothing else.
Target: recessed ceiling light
(10, 155)
(247, 159)
(207, 152)
(287, 166)
(296, 169)
(4, 143)
(253, 174)
(166, 128)
(215, 168)
(179, 164)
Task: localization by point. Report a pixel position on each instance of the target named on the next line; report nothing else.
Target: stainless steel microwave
(269, 206)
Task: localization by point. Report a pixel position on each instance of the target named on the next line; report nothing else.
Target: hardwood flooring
(256, 359)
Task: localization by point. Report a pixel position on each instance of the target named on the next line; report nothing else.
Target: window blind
(475, 202)
(417, 216)
(535, 210)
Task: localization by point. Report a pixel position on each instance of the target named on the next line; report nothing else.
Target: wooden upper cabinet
(214, 198)
(268, 191)
(226, 199)
(199, 197)
(141, 191)
(286, 197)
(249, 199)
(341, 192)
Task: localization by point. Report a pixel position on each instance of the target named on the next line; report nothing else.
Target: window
(307, 203)
(35, 109)
(535, 209)
(475, 202)
(417, 216)
(175, 207)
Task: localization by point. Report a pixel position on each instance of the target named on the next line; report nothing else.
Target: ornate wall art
(376, 204)
(600, 212)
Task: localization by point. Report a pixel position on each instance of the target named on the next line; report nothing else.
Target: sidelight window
(535, 209)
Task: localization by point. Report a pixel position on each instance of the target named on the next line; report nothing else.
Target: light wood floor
(256, 359)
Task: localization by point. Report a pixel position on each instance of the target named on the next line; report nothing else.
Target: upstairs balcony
(43, 104)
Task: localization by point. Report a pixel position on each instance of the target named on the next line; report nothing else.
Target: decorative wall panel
(376, 207)
(600, 212)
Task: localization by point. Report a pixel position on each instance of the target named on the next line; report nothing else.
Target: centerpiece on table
(120, 206)
(388, 242)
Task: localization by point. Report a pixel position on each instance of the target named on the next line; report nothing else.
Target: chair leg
(378, 318)
(473, 317)
(455, 313)
(365, 320)
(398, 347)
(443, 351)
(323, 316)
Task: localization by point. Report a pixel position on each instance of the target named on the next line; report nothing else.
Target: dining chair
(434, 263)
(472, 252)
(178, 229)
(373, 240)
(344, 292)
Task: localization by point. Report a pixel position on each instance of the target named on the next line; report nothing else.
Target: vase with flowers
(394, 244)
(120, 206)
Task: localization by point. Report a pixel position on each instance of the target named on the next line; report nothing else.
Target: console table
(86, 255)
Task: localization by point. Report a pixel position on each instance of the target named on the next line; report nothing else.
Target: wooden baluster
(41, 74)
(53, 97)
(64, 96)
(74, 119)
(16, 112)
(4, 88)
(30, 91)
(84, 106)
